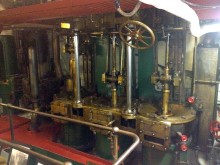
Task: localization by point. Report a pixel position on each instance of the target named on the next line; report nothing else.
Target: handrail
(33, 153)
(112, 129)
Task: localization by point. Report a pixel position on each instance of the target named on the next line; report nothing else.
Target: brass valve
(104, 77)
(120, 79)
(155, 78)
(176, 80)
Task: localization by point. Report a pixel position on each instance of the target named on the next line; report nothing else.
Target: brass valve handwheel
(136, 32)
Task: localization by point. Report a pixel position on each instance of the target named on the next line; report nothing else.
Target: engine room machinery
(85, 89)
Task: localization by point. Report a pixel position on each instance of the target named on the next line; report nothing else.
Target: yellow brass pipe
(114, 97)
(73, 75)
(165, 106)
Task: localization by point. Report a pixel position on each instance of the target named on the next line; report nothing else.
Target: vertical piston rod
(114, 88)
(33, 72)
(129, 76)
(34, 83)
(77, 71)
(122, 57)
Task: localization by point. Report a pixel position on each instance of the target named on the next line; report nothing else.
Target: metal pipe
(107, 57)
(70, 82)
(167, 51)
(114, 129)
(122, 57)
(33, 72)
(166, 94)
(115, 149)
(77, 70)
(87, 66)
(33, 153)
(114, 95)
(207, 82)
(130, 149)
(56, 55)
(113, 55)
(182, 88)
(11, 126)
(129, 76)
(194, 67)
(166, 90)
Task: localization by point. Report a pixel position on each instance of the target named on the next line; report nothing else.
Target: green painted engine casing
(77, 136)
(144, 64)
(103, 145)
(8, 59)
(10, 83)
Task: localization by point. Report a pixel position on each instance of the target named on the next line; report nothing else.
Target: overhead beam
(61, 9)
(77, 8)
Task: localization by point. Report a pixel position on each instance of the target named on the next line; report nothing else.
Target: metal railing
(33, 153)
(114, 130)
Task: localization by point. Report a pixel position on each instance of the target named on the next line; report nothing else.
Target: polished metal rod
(130, 149)
(113, 54)
(33, 72)
(129, 75)
(77, 78)
(122, 57)
(114, 129)
(33, 153)
(167, 51)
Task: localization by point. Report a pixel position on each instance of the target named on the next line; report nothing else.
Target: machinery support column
(33, 72)
(77, 71)
(34, 84)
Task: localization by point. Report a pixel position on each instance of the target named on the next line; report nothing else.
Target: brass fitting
(154, 78)
(104, 77)
(120, 79)
(176, 80)
(114, 97)
(69, 85)
(165, 106)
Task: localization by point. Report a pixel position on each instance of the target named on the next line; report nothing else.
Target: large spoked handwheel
(136, 34)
